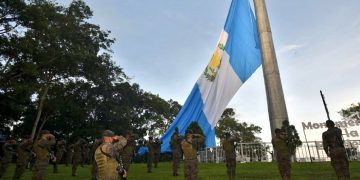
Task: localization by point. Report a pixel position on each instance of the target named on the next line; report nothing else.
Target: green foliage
(293, 139)
(351, 113)
(228, 123)
(52, 51)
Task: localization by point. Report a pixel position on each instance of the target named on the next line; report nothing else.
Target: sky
(164, 46)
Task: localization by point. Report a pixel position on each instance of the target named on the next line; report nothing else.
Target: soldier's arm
(198, 138)
(120, 143)
(325, 144)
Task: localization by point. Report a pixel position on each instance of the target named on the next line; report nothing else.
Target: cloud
(290, 48)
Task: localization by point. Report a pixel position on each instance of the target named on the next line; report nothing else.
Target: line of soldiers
(333, 145)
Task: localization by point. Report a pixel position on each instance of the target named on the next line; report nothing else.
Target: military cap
(188, 131)
(108, 133)
(278, 130)
(44, 132)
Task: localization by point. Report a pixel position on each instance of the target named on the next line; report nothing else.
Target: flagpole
(274, 92)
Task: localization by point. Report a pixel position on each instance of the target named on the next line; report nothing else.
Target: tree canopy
(228, 123)
(57, 73)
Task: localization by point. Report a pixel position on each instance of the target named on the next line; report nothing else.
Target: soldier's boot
(74, 171)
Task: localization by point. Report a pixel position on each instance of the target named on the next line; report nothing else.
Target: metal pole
(307, 146)
(274, 92)
(326, 109)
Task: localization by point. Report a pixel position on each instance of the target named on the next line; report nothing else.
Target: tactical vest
(42, 153)
(106, 165)
(229, 149)
(189, 150)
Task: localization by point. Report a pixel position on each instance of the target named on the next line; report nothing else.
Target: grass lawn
(210, 171)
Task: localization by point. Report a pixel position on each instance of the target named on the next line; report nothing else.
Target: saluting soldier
(189, 148)
(157, 151)
(175, 145)
(282, 153)
(230, 155)
(77, 155)
(24, 153)
(334, 147)
(105, 156)
(69, 154)
(42, 150)
(151, 153)
(129, 150)
(9, 150)
(60, 149)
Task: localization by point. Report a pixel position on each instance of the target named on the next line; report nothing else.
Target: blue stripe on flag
(243, 41)
(191, 111)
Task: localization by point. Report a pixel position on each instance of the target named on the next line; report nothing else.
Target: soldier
(95, 145)
(189, 148)
(230, 155)
(69, 154)
(42, 150)
(85, 154)
(282, 153)
(77, 155)
(175, 145)
(334, 147)
(59, 152)
(105, 156)
(157, 151)
(9, 151)
(151, 153)
(24, 153)
(129, 150)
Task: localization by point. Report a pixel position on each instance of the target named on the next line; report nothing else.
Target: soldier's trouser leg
(231, 166)
(19, 170)
(156, 160)
(190, 169)
(340, 163)
(284, 165)
(74, 168)
(55, 168)
(127, 161)
(3, 166)
(39, 170)
(149, 163)
(176, 162)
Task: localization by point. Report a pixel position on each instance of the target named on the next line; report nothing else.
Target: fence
(263, 152)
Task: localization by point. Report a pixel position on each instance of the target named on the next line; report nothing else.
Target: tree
(228, 123)
(351, 113)
(293, 139)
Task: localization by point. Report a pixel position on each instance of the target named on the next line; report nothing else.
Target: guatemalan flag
(236, 57)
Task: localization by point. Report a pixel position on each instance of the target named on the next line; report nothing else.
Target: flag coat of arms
(236, 57)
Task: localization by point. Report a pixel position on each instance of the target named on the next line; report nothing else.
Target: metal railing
(263, 152)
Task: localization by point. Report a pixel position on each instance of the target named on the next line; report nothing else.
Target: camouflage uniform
(23, 156)
(230, 155)
(9, 151)
(157, 151)
(128, 152)
(105, 157)
(59, 149)
(334, 148)
(85, 154)
(282, 155)
(77, 156)
(69, 154)
(41, 149)
(175, 145)
(151, 153)
(190, 162)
